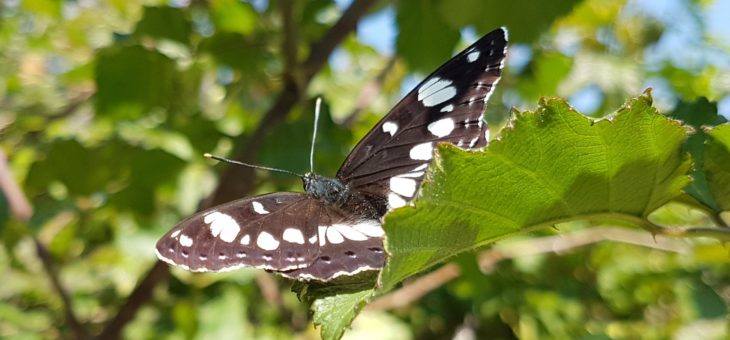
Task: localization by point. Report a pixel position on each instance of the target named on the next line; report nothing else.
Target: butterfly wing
(279, 232)
(447, 106)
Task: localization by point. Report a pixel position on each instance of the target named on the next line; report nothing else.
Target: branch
(17, 201)
(78, 331)
(240, 180)
(141, 294)
(565, 242)
(237, 181)
(416, 289)
(488, 259)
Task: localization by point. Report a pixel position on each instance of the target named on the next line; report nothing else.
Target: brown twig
(19, 205)
(237, 181)
(78, 330)
(561, 243)
(416, 289)
(488, 259)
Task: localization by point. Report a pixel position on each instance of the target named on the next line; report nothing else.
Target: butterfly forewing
(446, 107)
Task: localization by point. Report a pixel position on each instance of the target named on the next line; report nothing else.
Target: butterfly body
(334, 228)
(337, 194)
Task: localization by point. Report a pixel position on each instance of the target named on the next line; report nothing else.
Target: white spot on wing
(473, 141)
(321, 231)
(334, 236)
(185, 241)
(246, 239)
(395, 201)
(436, 91)
(413, 174)
(259, 208)
(403, 186)
(447, 108)
(222, 226)
(370, 228)
(293, 235)
(175, 233)
(313, 239)
(473, 56)
(390, 127)
(422, 151)
(421, 167)
(349, 232)
(486, 134)
(267, 241)
(441, 127)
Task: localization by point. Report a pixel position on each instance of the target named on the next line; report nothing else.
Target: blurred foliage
(105, 108)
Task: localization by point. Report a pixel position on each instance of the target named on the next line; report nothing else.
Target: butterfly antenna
(230, 161)
(317, 106)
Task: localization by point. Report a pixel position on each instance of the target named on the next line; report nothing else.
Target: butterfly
(334, 228)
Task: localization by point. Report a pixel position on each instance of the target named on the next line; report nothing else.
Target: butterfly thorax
(336, 193)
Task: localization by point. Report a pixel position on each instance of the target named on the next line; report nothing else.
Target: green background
(106, 108)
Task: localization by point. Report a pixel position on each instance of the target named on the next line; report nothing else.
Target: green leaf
(165, 22)
(287, 145)
(717, 165)
(237, 51)
(512, 14)
(132, 80)
(698, 114)
(234, 16)
(81, 170)
(129, 174)
(223, 317)
(336, 312)
(544, 74)
(552, 165)
(420, 21)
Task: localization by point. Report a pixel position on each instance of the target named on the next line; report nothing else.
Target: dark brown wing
(281, 232)
(446, 107)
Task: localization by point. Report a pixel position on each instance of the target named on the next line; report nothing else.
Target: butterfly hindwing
(269, 231)
(346, 248)
(287, 232)
(446, 107)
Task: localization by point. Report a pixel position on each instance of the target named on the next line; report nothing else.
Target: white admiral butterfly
(334, 228)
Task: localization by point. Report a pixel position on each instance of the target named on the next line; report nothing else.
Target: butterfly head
(324, 188)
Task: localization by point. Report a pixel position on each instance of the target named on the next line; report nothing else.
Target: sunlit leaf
(233, 16)
(552, 165)
(336, 312)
